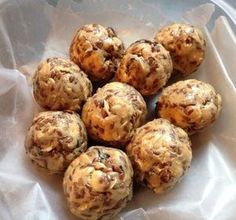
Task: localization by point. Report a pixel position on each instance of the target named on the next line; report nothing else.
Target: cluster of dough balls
(59, 84)
(146, 65)
(57, 137)
(190, 104)
(54, 139)
(113, 113)
(98, 183)
(186, 45)
(97, 50)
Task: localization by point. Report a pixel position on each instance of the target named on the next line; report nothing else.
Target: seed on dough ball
(146, 65)
(113, 113)
(59, 84)
(186, 45)
(160, 154)
(54, 139)
(97, 50)
(190, 104)
(98, 183)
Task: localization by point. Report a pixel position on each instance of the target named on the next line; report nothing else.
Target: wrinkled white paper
(33, 30)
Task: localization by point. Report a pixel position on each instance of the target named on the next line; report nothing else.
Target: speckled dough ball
(190, 104)
(146, 66)
(98, 184)
(113, 113)
(59, 84)
(97, 50)
(160, 153)
(186, 45)
(54, 139)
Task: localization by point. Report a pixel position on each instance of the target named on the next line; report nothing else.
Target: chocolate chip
(165, 176)
(142, 41)
(189, 40)
(99, 44)
(156, 48)
(71, 79)
(111, 32)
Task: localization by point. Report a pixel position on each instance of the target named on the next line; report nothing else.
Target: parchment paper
(33, 30)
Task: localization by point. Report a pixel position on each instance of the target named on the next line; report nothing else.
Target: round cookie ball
(59, 84)
(160, 154)
(113, 113)
(98, 184)
(54, 139)
(186, 45)
(190, 104)
(97, 50)
(146, 65)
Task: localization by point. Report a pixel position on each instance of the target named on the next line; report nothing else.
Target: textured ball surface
(186, 45)
(146, 65)
(160, 153)
(190, 104)
(98, 184)
(54, 139)
(59, 84)
(113, 113)
(97, 50)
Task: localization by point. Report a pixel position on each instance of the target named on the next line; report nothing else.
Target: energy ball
(54, 139)
(146, 65)
(59, 84)
(113, 113)
(186, 45)
(190, 104)
(98, 183)
(97, 50)
(160, 154)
